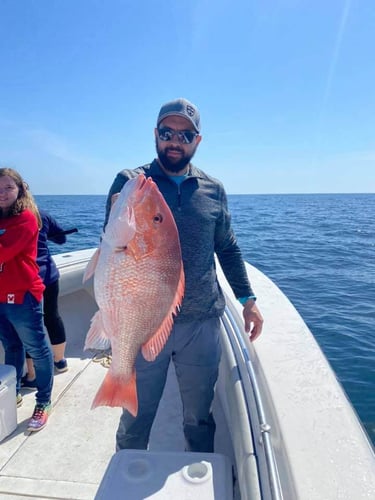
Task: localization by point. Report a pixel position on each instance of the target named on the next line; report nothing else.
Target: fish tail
(114, 392)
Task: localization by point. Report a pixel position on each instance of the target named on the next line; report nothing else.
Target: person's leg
(134, 432)
(13, 346)
(196, 360)
(58, 351)
(27, 320)
(53, 321)
(30, 375)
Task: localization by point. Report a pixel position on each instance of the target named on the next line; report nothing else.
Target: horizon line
(229, 194)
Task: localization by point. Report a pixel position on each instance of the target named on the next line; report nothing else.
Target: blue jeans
(195, 350)
(21, 328)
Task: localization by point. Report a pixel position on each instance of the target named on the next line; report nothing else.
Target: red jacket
(19, 272)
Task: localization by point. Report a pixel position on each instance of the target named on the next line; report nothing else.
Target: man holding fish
(168, 302)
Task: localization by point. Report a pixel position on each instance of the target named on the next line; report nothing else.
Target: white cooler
(8, 405)
(139, 474)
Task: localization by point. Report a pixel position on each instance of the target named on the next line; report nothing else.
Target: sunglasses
(183, 136)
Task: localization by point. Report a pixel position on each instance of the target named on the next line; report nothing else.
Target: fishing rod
(67, 231)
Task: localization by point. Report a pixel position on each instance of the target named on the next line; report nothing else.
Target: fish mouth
(143, 182)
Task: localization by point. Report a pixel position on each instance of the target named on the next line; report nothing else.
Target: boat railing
(261, 430)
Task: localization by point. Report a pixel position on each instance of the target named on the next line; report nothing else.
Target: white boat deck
(67, 459)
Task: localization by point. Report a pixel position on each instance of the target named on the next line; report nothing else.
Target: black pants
(52, 319)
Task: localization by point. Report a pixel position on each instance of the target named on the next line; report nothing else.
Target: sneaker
(40, 417)
(19, 400)
(28, 384)
(61, 366)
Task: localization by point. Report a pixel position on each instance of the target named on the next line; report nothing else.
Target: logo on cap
(190, 110)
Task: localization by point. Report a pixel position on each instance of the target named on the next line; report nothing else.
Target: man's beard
(174, 166)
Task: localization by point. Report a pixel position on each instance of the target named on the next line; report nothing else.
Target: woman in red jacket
(21, 291)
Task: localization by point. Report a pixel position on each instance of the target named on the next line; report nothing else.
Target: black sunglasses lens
(188, 136)
(165, 134)
(183, 136)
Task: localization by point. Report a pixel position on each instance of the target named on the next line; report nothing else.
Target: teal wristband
(243, 300)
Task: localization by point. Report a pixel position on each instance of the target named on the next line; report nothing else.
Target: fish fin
(97, 337)
(152, 347)
(118, 235)
(114, 392)
(91, 266)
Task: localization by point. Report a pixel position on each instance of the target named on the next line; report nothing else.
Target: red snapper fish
(138, 284)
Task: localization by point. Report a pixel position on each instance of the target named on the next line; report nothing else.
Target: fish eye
(158, 218)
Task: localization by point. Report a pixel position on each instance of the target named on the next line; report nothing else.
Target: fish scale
(138, 284)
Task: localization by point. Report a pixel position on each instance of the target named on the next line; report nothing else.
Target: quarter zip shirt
(200, 209)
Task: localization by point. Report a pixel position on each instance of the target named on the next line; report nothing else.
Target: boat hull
(283, 420)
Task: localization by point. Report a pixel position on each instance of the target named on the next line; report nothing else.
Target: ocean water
(319, 249)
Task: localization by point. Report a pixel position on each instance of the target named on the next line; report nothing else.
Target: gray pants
(195, 350)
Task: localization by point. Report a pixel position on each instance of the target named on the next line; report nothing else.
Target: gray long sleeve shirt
(199, 206)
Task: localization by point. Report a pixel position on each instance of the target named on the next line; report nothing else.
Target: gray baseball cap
(181, 107)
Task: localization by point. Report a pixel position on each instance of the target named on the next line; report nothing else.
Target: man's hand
(253, 319)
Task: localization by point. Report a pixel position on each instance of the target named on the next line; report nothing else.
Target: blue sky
(285, 88)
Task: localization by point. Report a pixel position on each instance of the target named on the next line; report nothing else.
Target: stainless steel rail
(268, 473)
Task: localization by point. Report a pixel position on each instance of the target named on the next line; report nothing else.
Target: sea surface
(318, 248)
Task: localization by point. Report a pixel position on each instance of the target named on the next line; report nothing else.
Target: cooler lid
(7, 374)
